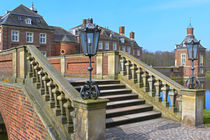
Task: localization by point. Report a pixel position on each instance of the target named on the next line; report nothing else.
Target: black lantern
(89, 36)
(192, 50)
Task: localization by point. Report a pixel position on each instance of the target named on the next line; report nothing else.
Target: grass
(208, 74)
(3, 137)
(206, 117)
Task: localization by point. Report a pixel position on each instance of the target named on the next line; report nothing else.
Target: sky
(158, 24)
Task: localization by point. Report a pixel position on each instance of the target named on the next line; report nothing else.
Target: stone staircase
(124, 106)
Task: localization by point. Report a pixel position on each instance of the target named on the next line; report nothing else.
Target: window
(201, 70)
(183, 59)
(43, 38)
(138, 52)
(114, 46)
(44, 53)
(129, 49)
(15, 36)
(123, 48)
(107, 46)
(28, 21)
(29, 37)
(201, 60)
(19, 18)
(38, 20)
(100, 45)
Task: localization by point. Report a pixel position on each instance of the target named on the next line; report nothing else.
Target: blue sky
(158, 24)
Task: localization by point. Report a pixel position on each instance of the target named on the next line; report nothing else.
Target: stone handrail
(153, 83)
(69, 110)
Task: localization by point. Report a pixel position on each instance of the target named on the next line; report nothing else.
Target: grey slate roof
(187, 39)
(17, 17)
(61, 35)
(109, 34)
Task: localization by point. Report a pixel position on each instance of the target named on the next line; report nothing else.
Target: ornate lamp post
(89, 35)
(192, 50)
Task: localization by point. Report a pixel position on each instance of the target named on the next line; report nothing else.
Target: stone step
(106, 87)
(128, 110)
(114, 92)
(99, 82)
(124, 103)
(120, 97)
(132, 118)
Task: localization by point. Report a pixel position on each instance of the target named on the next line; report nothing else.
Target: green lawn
(208, 74)
(206, 117)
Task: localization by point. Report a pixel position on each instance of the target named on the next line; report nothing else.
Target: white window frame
(183, 59)
(28, 21)
(201, 60)
(32, 37)
(129, 49)
(44, 53)
(107, 45)
(114, 46)
(15, 35)
(138, 52)
(100, 45)
(43, 40)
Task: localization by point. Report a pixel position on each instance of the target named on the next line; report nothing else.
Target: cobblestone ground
(157, 129)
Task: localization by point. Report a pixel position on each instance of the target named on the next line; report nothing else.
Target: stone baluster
(179, 101)
(151, 85)
(145, 82)
(62, 100)
(172, 95)
(133, 73)
(122, 62)
(69, 119)
(157, 89)
(46, 93)
(33, 63)
(30, 71)
(139, 77)
(41, 75)
(56, 93)
(127, 65)
(165, 89)
(51, 86)
(37, 69)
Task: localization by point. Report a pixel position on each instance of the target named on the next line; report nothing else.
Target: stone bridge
(37, 102)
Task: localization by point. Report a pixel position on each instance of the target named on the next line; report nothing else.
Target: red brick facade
(6, 65)
(20, 119)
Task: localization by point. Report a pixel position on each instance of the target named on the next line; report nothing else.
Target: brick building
(181, 57)
(25, 26)
(110, 40)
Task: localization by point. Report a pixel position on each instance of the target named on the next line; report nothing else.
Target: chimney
(122, 30)
(132, 35)
(90, 20)
(190, 31)
(84, 22)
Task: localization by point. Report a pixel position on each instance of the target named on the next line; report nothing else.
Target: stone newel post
(192, 107)
(90, 120)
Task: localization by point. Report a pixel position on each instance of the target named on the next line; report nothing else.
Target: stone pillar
(99, 65)
(113, 64)
(192, 107)
(90, 120)
(14, 63)
(22, 62)
(63, 65)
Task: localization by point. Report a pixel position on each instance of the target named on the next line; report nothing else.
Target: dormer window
(19, 18)
(28, 21)
(122, 40)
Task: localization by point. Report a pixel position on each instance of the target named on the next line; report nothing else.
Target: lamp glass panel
(90, 43)
(96, 39)
(195, 50)
(190, 51)
(83, 41)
